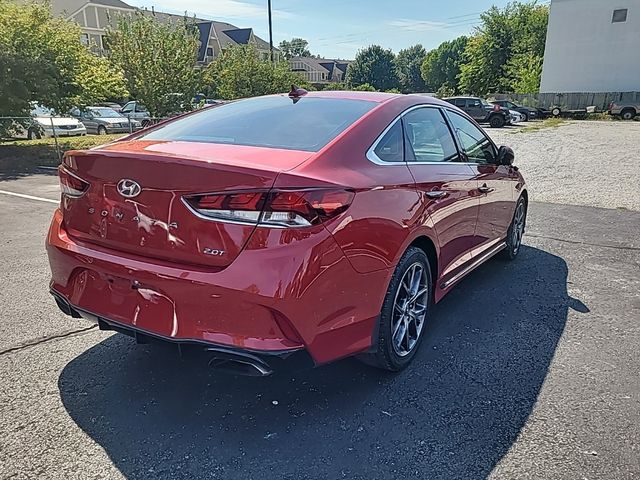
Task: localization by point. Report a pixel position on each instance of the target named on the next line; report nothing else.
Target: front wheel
(516, 230)
(404, 313)
(497, 121)
(102, 130)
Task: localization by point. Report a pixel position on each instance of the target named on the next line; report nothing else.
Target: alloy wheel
(409, 309)
(518, 227)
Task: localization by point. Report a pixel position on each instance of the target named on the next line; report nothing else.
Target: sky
(339, 28)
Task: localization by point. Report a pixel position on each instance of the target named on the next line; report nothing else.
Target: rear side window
(308, 123)
(391, 146)
(428, 137)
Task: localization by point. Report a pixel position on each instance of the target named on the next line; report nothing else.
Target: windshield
(277, 122)
(105, 113)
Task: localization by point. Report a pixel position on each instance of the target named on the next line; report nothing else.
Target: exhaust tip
(240, 366)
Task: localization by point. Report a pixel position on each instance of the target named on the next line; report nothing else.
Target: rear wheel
(628, 114)
(404, 313)
(525, 117)
(516, 230)
(102, 130)
(497, 121)
(555, 111)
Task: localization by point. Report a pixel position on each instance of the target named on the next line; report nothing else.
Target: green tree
(375, 66)
(296, 47)
(525, 70)
(158, 60)
(239, 72)
(43, 61)
(408, 63)
(365, 87)
(491, 55)
(441, 66)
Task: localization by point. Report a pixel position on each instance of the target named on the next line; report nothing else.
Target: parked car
(295, 229)
(516, 117)
(46, 122)
(103, 120)
(529, 113)
(625, 110)
(482, 111)
(138, 112)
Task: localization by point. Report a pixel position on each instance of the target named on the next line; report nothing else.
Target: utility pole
(270, 33)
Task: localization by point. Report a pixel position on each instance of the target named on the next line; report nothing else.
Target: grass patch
(552, 122)
(25, 156)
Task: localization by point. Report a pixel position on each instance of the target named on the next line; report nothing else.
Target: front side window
(390, 148)
(475, 144)
(428, 139)
(307, 123)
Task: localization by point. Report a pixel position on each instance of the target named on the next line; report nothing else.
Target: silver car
(104, 120)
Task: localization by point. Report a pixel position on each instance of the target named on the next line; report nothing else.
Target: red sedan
(304, 227)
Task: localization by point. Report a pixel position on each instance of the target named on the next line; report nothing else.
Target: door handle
(485, 189)
(436, 194)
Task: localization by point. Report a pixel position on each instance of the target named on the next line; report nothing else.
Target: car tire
(497, 121)
(627, 114)
(525, 117)
(516, 230)
(400, 314)
(102, 130)
(555, 111)
(146, 123)
(33, 134)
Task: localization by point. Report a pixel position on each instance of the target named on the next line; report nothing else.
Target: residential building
(320, 70)
(592, 46)
(93, 16)
(96, 16)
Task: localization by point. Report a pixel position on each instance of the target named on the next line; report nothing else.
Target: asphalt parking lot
(530, 370)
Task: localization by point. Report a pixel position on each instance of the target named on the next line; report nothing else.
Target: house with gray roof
(320, 70)
(96, 16)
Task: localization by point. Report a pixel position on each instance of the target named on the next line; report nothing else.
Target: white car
(45, 123)
(516, 117)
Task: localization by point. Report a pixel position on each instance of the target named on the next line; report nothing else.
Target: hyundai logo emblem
(129, 188)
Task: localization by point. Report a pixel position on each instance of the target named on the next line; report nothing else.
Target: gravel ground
(566, 164)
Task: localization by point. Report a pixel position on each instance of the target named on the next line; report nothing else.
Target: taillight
(70, 184)
(278, 208)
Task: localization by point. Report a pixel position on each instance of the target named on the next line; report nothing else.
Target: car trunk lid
(154, 221)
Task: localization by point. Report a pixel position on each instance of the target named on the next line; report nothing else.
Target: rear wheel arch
(428, 246)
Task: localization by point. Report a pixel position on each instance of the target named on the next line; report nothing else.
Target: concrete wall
(586, 52)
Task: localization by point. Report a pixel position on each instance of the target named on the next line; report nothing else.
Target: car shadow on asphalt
(454, 413)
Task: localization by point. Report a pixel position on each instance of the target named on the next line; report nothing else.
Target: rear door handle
(485, 189)
(436, 194)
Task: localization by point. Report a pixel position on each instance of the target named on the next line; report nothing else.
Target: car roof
(377, 97)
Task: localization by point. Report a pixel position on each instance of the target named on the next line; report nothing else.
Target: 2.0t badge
(129, 188)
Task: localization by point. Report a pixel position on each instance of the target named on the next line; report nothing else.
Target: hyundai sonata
(289, 228)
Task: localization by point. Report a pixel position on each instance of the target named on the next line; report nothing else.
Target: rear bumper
(234, 360)
(302, 296)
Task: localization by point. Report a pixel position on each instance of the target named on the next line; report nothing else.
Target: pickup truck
(482, 111)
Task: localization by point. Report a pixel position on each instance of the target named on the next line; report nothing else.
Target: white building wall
(586, 52)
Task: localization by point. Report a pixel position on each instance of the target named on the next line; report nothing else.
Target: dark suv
(482, 111)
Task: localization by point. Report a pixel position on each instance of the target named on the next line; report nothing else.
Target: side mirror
(505, 155)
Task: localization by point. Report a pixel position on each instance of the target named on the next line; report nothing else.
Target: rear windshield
(277, 122)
